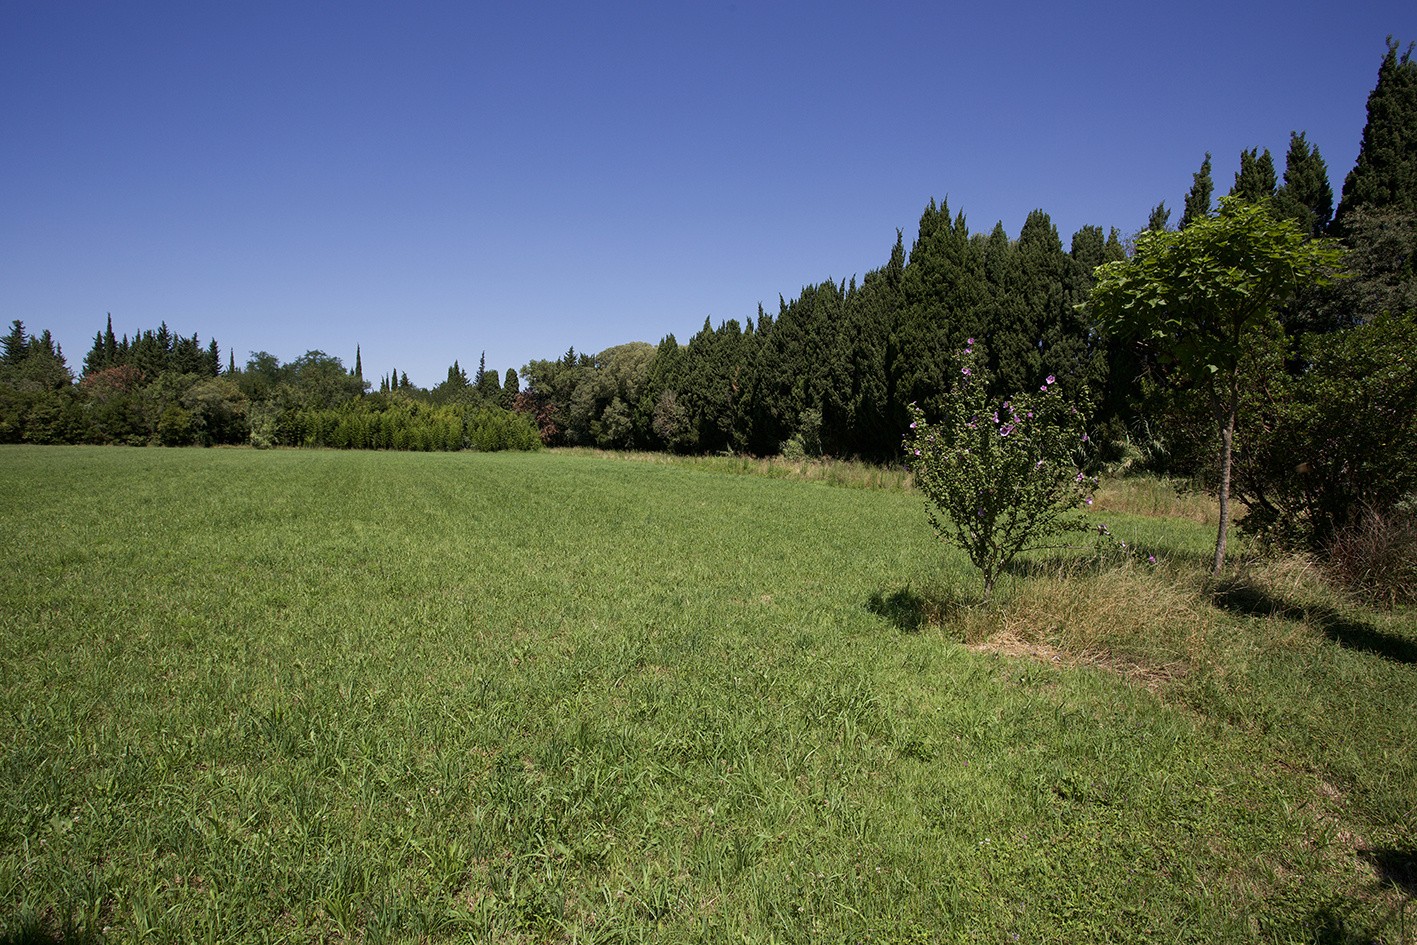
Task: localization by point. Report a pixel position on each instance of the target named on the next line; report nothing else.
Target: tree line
(835, 369)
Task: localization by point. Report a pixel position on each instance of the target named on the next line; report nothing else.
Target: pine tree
(1305, 196)
(1255, 180)
(15, 345)
(1198, 199)
(96, 360)
(1159, 219)
(1385, 174)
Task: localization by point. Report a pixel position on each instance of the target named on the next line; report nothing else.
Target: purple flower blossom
(912, 424)
(965, 372)
(1151, 559)
(1052, 379)
(970, 342)
(1087, 501)
(1084, 438)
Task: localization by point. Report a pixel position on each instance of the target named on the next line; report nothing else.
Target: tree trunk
(1227, 442)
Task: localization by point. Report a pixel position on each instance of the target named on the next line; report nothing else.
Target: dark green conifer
(15, 345)
(1160, 218)
(1198, 199)
(1255, 180)
(1305, 196)
(1385, 174)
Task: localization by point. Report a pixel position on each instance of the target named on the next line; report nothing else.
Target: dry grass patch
(1136, 620)
(1156, 498)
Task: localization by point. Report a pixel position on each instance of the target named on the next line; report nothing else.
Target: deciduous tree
(1201, 295)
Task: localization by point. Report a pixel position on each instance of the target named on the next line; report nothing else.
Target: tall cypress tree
(1305, 196)
(1160, 217)
(1255, 180)
(15, 345)
(1198, 199)
(1385, 174)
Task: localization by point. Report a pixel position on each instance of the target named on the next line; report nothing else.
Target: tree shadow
(904, 608)
(1395, 865)
(37, 933)
(912, 611)
(1241, 597)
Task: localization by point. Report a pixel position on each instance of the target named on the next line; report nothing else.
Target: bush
(1376, 557)
(1323, 445)
(1000, 480)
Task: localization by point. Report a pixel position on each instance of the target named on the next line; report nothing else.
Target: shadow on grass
(36, 933)
(912, 611)
(904, 608)
(1397, 866)
(1241, 597)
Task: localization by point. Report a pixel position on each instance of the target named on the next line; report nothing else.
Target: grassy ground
(317, 696)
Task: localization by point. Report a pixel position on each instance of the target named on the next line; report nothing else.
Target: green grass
(322, 696)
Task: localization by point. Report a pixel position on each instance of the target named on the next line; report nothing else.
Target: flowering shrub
(1000, 480)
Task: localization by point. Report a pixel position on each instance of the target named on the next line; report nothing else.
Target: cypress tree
(231, 362)
(358, 364)
(511, 386)
(14, 346)
(96, 360)
(1385, 174)
(1198, 199)
(403, 381)
(1305, 196)
(1255, 180)
(1159, 219)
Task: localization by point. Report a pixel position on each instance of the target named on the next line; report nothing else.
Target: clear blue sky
(431, 180)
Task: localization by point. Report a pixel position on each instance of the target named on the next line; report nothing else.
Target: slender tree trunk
(1227, 442)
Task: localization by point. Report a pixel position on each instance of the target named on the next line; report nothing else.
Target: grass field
(307, 696)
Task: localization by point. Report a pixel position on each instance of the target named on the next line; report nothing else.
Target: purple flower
(1087, 501)
(965, 372)
(1052, 379)
(1151, 559)
(970, 342)
(917, 452)
(912, 424)
(1084, 438)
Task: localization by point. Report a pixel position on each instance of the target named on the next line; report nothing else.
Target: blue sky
(432, 180)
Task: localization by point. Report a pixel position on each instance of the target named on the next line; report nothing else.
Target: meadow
(313, 696)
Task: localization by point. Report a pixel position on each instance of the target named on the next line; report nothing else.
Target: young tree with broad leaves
(1203, 295)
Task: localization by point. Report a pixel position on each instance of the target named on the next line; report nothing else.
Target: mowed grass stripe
(303, 696)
